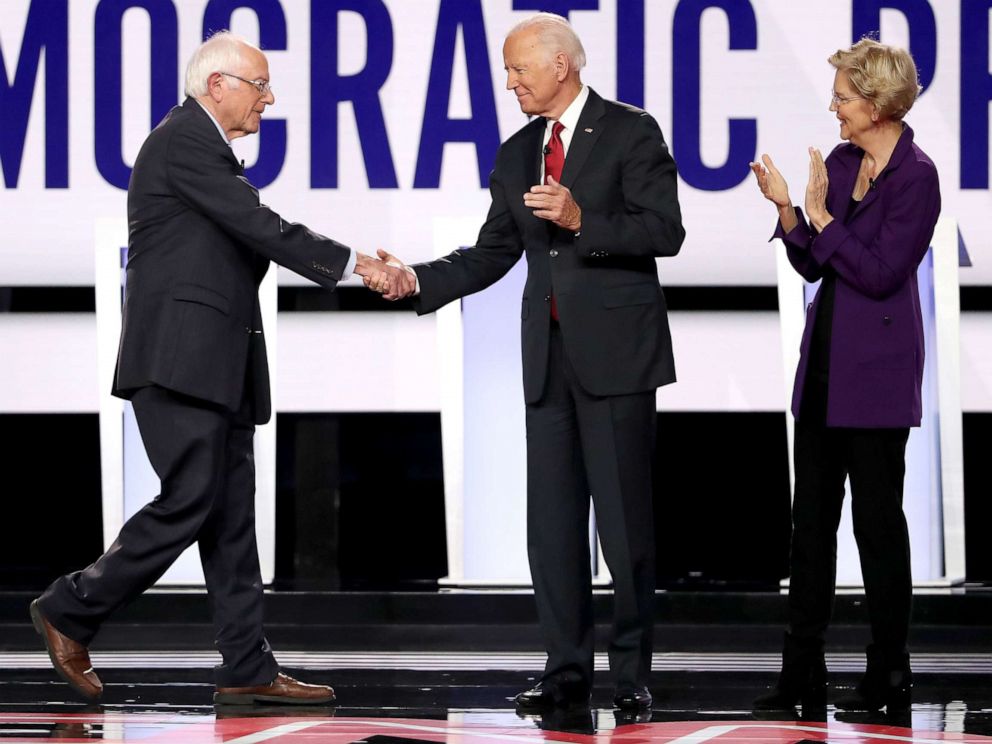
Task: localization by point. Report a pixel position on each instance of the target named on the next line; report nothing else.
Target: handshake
(386, 275)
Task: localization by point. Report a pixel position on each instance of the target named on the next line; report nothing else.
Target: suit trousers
(204, 457)
(579, 444)
(875, 461)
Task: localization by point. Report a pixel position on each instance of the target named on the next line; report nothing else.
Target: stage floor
(155, 703)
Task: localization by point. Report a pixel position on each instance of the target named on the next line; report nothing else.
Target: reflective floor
(411, 706)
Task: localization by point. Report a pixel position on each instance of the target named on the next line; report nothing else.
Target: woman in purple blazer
(870, 213)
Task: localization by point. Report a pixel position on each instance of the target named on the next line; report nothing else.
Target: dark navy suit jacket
(611, 308)
(199, 244)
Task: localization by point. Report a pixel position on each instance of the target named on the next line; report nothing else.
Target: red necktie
(554, 161)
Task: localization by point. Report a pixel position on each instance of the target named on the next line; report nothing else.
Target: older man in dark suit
(596, 344)
(192, 361)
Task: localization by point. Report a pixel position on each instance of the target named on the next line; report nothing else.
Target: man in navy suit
(587, 190)
(192, 362)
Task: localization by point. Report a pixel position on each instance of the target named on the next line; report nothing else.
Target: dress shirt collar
(216, 123)
(570, 116)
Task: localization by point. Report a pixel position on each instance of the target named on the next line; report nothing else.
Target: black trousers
(577, 445)
(875, 461)
(204, 458)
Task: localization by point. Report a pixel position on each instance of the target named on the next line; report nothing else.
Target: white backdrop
(782, 84)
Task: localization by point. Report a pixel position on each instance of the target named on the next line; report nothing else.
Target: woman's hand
(773, 186)
(816, 191)
(776, 190)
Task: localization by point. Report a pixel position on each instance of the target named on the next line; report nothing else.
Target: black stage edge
(954, 620)
(81, 299)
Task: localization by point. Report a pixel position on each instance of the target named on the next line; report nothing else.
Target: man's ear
(562, 66)
(215, 86)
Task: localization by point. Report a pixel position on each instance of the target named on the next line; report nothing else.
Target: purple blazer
(876, 341)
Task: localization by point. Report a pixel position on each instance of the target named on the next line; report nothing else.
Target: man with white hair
(192, 362)
(592, 216)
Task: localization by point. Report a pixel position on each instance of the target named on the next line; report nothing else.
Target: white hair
(556, 35)
(222, 52)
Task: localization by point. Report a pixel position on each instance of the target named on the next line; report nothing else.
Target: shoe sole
(38, 622)
(224, 699)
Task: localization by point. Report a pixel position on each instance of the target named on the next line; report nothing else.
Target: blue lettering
(686, 87)
(47, 29)
(272, 35)
(107, 72)
(630, 51)
(482, 127)
(866, 20)
(328, 88)
(976, 92)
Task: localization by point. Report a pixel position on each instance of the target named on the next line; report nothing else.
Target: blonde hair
(883, 75)
(556, 35)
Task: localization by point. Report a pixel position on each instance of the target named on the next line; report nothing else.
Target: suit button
(553, 252)
(886, 320)
(547, 298)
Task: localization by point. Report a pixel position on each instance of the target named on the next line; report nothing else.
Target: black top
(814, 405)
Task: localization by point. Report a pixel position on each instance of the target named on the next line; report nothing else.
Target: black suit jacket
(611, 308)
(199, 245)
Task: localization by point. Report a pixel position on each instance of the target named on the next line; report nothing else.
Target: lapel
(902, 149)
(534, 158)
(849, 162)
(587, 131)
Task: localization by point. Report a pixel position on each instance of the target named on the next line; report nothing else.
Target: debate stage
(443, 667)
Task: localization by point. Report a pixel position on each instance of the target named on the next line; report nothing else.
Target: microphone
(871, 184)
(547, 149)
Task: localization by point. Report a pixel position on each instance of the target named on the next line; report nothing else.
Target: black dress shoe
(632, 698)
(554, 692)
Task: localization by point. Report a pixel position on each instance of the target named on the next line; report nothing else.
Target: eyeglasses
(262, 86)
(836, 100)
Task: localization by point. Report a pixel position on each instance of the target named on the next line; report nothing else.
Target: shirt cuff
(349, 267)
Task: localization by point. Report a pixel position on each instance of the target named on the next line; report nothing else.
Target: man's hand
(554, 202)
(392, 281)
(390, 260)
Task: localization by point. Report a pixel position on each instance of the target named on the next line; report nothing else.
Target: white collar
(570, 116)
(216, 123)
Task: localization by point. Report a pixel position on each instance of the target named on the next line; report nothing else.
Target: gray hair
(556, 35)
(222, 52)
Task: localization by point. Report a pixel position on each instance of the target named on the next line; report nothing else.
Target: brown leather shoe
(70, 658)
(283, 689)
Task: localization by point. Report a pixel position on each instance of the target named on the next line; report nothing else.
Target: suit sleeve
(879, 268)
(469, 270)
(798, 242)
(650, 223)
(204, 179)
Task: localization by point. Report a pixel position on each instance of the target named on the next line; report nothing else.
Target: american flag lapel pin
(588, 130)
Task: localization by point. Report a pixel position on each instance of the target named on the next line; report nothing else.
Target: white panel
(49, 363)
(354, 361)
(725, 362)
(388, 362)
